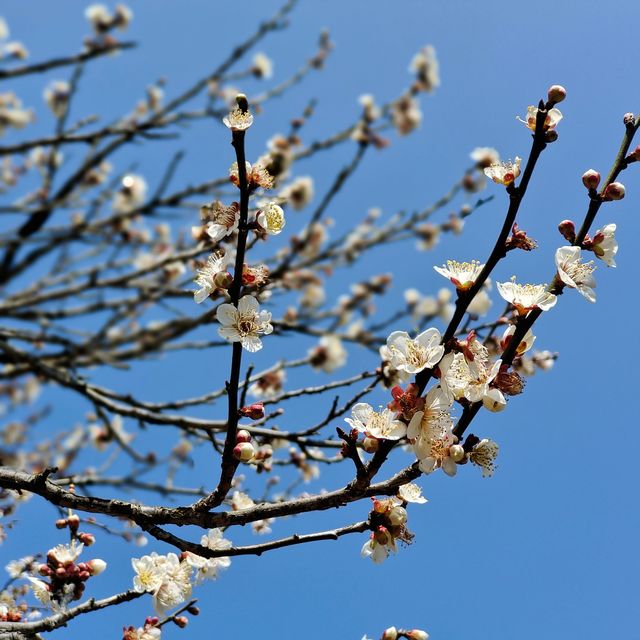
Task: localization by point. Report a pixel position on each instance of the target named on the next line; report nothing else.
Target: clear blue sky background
(546, 548)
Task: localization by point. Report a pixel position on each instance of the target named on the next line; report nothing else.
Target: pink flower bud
(181, 621)
(61, 572)
(193, 610)
(87, 539)
(591, 179)
(615, 191)
(44, 570)
(151, 621)
(243, 451)
(84, 575)
(243, 436)
(96, 566)
(254, 411)
(568, 230)
(61, 523)
(557, 93)
(382, 535)
(73, 522)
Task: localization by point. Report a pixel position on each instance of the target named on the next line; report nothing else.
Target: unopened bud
(494, 400)
(87, 539)
(628, 118)
(193, 610)
(74, 522)
(557, 93)
(591, 179)
(96, 566)
(370, 445)
(254, 411)
(181, 621)
(61, 523)
(242, 102)
(551, 135)
(84, 575)
(243, 436)
(568, 230)
(151, 621)
(244, 451)
(390, 634)
(44, 570)
(456, 452)
(223, 279)
(417, 634)
(397, 516)
(615, 191)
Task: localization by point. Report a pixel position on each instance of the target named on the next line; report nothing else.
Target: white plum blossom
(379, 425)
(377, 551)
(504, 172)
(525, 297)
(165, 577)
(329, 355)
(462, 275)
(40, 591)
(245, 323)
(605, 245)
(299, 193)
(205, 279)
(56, 95)
(66, 553)
(575, 273)
(208, 568)
(484, 455)
(131, 195)
(414, 355)
(425, 66)
(485, 156)
(550, 122)
(238, 120)
(271, 219)
(262, 66)
(481, 302)
(220, 220)
(411, 493)
(431, 432)
(525, 344)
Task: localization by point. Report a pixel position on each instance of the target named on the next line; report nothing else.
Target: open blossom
(481, 302)
(268, 385)
(271, 219)
(550, 122)
(166, 577)
(220, 220)
(238, 120)
(131, 195)
(411, 493)
(414, 355)
(380, 425)
(377, 550)
(262, 66)
(503, 172)
(205, 279)
(525, 344)
(425, 66)
(525, 297)
(11, 112)
(299, 193)
(245, 323)
(65, 554)
(575, 273)
(406, 114)
(208, 568)
(462, 274)
(485, 157)
(484, 455)
(257, 175)
(431, 433)
(605, 245)
(56, 95)
(328, 355)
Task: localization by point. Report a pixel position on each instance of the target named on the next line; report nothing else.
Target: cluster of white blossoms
(12, 114)
(102, 20)
(170, 578)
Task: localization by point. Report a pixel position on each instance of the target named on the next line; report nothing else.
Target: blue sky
(545, 547)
